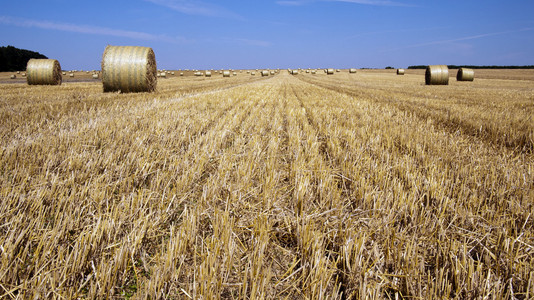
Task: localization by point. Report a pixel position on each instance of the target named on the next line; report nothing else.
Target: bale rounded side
(129, 69)
(226, 74)
(330, 71)
(465, 74)
(43, 72)
(437, 75)
(352, 70)
(400, 71)
(264, 73)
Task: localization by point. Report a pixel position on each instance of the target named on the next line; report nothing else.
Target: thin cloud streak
(363, 2)
(473, 37)
(393, 31)
(96, 30)
(197, 8)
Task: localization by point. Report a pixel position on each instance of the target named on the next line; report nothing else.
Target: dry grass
(306, 187)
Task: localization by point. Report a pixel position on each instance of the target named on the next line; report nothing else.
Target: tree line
(14, 59)
(476, 67)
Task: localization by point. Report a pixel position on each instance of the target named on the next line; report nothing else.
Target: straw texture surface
(43, 72)
(437, 75)
(465, 74)
(129, 69)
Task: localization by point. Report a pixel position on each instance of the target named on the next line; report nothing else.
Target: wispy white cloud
(87, 29)
(199, 8)
(364, 2)
(467, 38)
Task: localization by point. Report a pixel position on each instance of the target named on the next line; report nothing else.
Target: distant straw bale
(43, 72)
(437, 75)
(465, 74)
(129, 69)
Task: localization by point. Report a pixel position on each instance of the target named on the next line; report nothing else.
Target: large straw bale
(95, 76)
(294, 72)
(465, 74)
(330, 71)
(400, 71)
(43, 72)
(264, 73)
(352, 70)
(226, 73)
(437, 75)
(13, 76)
(129, 69)
(208, 73)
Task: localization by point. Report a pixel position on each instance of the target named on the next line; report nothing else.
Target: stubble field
(349, 186)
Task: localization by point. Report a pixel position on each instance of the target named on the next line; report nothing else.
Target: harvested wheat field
(343, 186)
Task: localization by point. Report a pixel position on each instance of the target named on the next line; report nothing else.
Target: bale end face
(43, 72)
(129, 69)
(437, 75)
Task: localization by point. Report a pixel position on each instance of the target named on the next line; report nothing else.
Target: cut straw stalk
(129, 69)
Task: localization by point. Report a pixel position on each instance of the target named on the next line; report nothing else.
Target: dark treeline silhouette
(476, 67)
(14, 59)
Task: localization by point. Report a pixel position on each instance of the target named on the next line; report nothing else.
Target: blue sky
(276, 34)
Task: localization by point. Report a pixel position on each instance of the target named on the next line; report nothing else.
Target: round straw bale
(330, 71)
(181, 74)
(400, 71)
(253, 73)
(264, 73)
(163, 74)
(313, 71)
(23, 74)
(18, 72)
(352, 70)
(226, 74)
(43, 72)
(294, 72)
(307, 71)
(464, 74)
(71, 75)
(437, 75)
(208, 74)
(63, 73)
(13, 76)
(95, 76)
(172, 73)
(129, 69)
(234, 73)
(273, 72)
